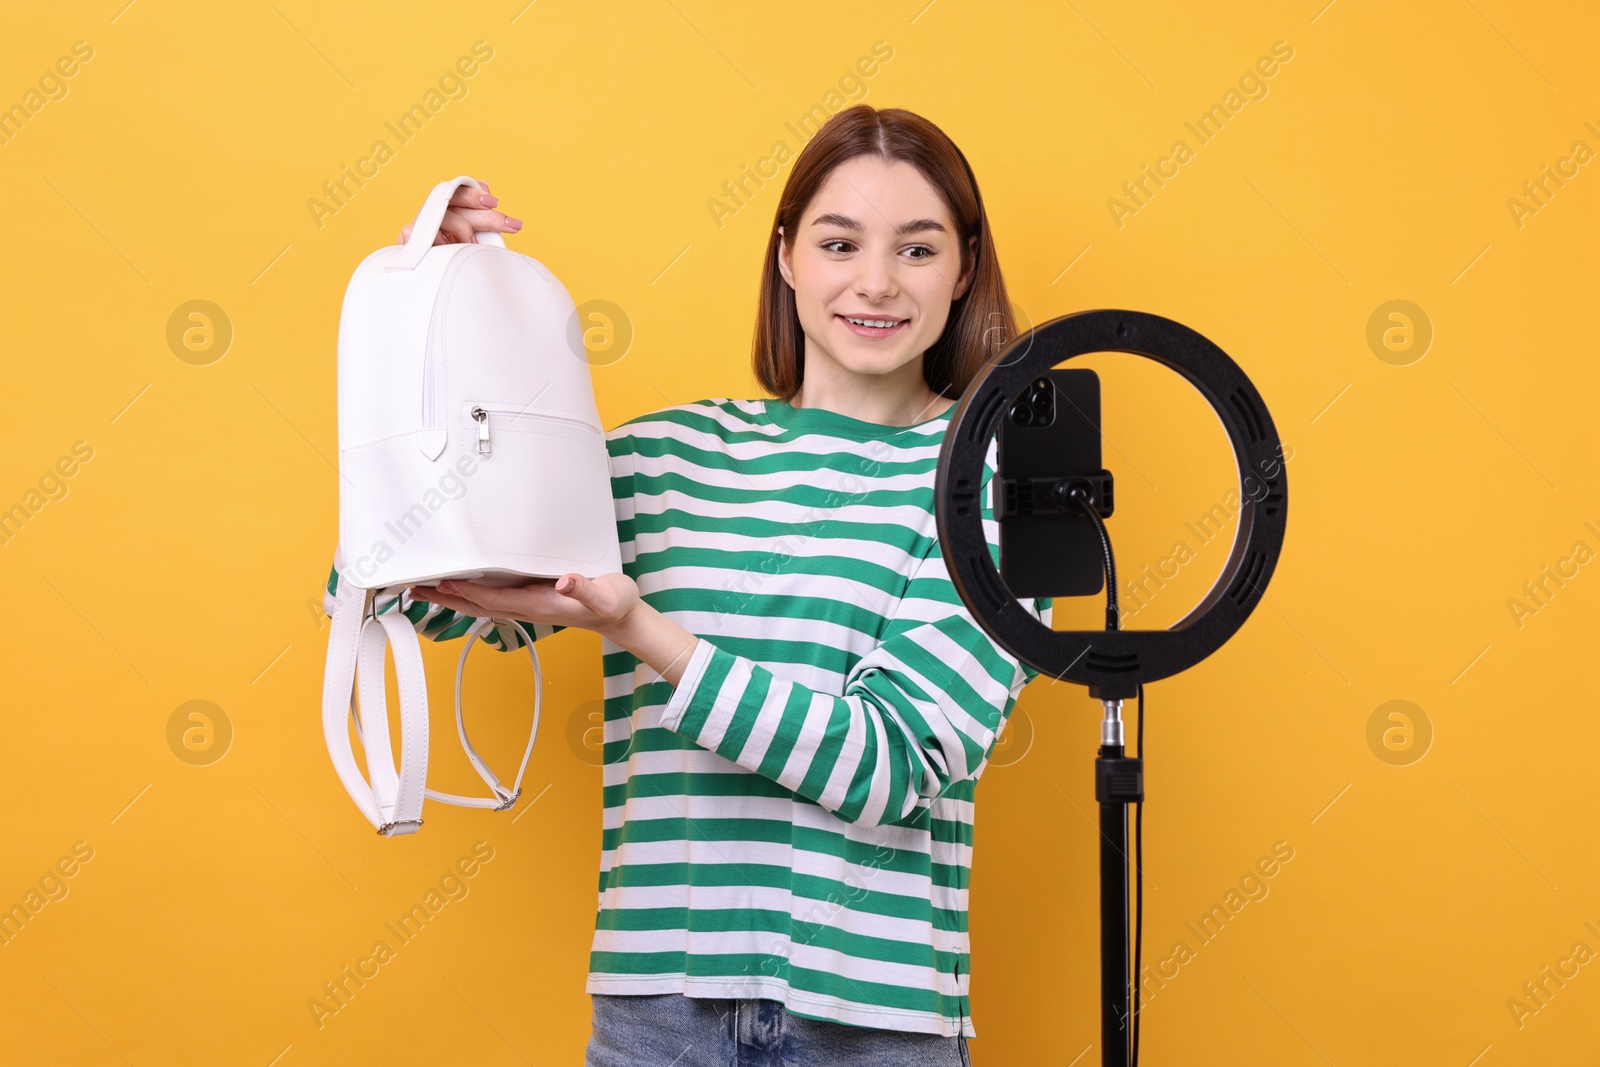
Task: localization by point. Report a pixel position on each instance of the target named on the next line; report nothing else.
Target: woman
(797, 704)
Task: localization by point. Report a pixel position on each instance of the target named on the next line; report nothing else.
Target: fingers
(470, 210)
(431, 594)
(459, 224)
(473, 209)
(500, 599)
(481, 219)
(454, 228)
(466, 196)
(470, 598)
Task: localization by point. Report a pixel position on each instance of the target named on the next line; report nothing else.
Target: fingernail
(565, 584)
(489, 201)
(513, 224)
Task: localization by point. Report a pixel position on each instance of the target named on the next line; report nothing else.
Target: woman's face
(876, 243)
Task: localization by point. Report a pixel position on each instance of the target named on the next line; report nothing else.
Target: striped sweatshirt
(793, 820)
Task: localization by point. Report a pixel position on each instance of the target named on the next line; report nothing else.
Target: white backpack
(470, 448)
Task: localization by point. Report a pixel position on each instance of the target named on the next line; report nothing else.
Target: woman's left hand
(601, 603)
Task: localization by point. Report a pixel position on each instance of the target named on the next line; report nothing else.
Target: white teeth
(880, 323)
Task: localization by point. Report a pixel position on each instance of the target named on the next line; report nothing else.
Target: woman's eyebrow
(845, 222)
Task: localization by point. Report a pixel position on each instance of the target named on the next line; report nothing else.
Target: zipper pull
(482, 418)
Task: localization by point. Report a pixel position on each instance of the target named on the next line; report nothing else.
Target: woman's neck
(882, 402)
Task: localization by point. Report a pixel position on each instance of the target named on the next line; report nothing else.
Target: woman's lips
(871, 331)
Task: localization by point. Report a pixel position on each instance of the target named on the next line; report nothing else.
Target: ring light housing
(1112, 663)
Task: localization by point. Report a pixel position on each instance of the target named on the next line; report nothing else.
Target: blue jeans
(658, 1030)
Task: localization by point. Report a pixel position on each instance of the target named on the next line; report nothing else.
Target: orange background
(1440, 859)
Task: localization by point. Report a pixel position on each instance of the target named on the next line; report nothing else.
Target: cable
(1080, 494)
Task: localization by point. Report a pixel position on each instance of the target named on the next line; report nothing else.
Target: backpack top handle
(426, 228)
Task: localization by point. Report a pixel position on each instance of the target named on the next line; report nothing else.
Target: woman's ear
(968, 270)
(784, 252)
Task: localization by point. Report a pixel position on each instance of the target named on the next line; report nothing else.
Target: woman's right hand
(469, 210)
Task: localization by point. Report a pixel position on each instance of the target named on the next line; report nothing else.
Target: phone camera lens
(1022, 415)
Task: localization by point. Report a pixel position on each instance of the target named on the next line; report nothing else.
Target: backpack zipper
(480, 414)
(482, 418)
(432, 417)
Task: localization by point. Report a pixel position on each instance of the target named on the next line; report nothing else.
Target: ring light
(1112, 663)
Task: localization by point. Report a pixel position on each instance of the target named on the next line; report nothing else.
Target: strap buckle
(508, 801)
(388, 828)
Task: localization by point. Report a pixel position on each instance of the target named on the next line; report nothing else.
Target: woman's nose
(875, 278)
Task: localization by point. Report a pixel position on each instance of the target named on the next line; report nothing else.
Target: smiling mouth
(871, 327)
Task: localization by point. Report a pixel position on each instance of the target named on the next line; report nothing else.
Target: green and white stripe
(794, 820)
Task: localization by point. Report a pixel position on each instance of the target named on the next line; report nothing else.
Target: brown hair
(979, 319)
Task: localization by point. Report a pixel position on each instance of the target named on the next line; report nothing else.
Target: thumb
(574, 587)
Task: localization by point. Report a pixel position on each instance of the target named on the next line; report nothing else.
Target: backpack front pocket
(540, 482)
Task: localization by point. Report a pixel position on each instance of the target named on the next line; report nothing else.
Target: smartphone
(1050, 431)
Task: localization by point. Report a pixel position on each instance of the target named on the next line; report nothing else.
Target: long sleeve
(435, 621)
(919, 712)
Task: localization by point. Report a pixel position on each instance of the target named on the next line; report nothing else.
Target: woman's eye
(841, 247)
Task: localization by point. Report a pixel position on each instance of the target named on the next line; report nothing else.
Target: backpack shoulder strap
(503, 798)
(398, 791)
(338, 683)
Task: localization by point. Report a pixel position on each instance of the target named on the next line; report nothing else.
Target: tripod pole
(1118, 781)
